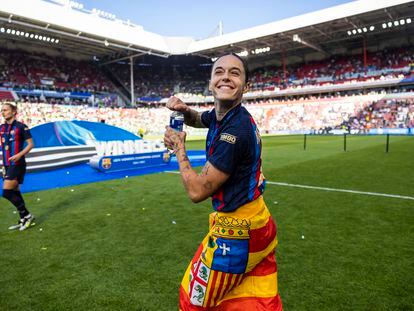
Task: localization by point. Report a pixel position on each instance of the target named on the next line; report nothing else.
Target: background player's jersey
(234, 146)
(12, 139)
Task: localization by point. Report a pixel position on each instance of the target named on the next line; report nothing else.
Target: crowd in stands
(317, 113)
(338, 69)
(158, 78)
(359, 112)
(391, 113)
(164, 81)
(19, 70)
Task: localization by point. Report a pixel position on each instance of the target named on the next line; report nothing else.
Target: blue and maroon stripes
(254, 188)
(12, 141)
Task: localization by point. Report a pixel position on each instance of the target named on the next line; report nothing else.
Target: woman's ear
(246, 87)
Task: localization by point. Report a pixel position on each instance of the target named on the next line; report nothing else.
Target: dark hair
(244, 62)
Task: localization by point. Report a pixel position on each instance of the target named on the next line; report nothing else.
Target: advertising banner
(129, 161)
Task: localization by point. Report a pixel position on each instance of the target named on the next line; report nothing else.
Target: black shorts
(14, 172)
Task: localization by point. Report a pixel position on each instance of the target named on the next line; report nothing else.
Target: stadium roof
(338, 29)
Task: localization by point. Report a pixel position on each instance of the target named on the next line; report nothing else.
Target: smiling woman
(228, 81)
(234, 267)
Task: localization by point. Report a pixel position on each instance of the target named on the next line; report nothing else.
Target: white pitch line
(329, 189)
(342, 190)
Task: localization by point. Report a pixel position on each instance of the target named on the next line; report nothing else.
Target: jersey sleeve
(26, 133)
(228, 150)
(207, 117)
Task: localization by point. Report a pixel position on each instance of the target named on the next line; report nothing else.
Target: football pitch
(124, 244)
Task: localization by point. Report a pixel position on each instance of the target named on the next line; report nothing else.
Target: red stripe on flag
(197, 254)
(265, 267)
(220, 288)
(261, 237)
(239, 279)
(229, 283)
(210, 296)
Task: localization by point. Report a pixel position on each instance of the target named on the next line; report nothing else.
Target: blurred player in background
(234, 267)
(16, 142)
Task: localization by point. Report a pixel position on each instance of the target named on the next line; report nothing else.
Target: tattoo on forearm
(184, 158)
(193, 118)
(204, 172)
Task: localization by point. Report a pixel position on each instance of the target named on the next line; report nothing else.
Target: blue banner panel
(129, 161)
(391, 131)
(72, 133)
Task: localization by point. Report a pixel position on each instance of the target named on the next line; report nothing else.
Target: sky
(199, 19)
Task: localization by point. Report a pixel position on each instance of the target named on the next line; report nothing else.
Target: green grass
(113, 245)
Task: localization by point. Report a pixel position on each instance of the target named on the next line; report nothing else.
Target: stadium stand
(6, 96)
(20, 70)
(380, 65)
(298, 86)
(359, 113)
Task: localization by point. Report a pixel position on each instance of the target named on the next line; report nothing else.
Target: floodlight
(396, 23)
(364, 29)
(243, 53)
(2, 29)
(384, 25)
(408, 20)
(354, 31)
(389, 24)
(371, 28)
(359, 30)
(402, 22)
